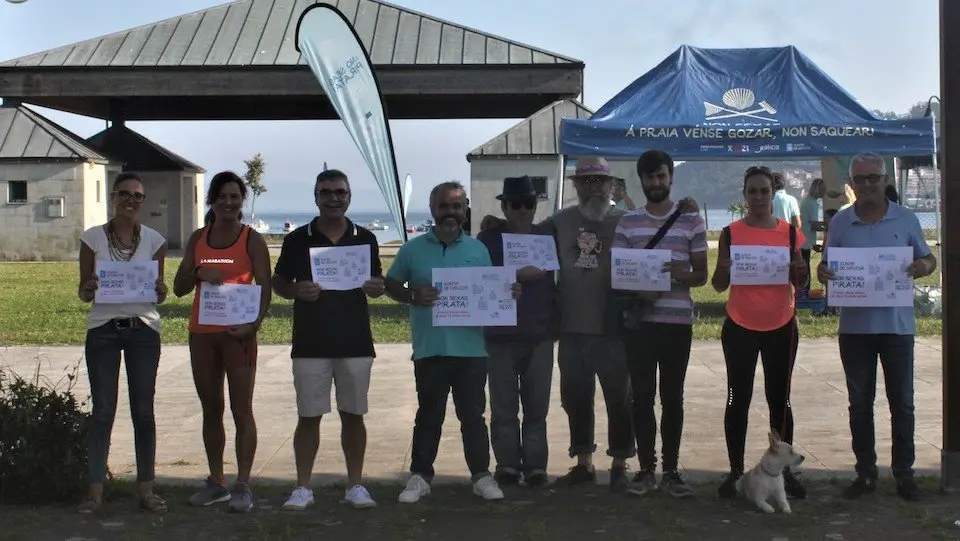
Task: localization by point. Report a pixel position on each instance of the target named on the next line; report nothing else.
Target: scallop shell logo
(739, 98)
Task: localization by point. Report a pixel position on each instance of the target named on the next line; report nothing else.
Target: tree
(737, 209)
(254, 179)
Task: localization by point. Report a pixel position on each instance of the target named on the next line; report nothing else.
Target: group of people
(623, 339)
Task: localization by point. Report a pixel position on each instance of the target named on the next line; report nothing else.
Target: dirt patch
(453, 512)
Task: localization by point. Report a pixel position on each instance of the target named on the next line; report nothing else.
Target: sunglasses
(527, 203)
(594, 179)
(327, 194)
(863, 179)
(137, 197)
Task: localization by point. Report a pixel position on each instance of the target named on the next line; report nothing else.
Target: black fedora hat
(517, 188)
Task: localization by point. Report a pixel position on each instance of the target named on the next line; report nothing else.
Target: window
(540, 184)
(17, 191)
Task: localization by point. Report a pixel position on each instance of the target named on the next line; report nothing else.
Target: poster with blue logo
(475, 297)
(538, 251)
(870, 277)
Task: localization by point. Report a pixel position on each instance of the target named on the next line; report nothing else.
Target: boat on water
(288, 226)
(376, 226)
(260, 226)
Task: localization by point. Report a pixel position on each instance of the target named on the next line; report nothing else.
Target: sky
(884, 52)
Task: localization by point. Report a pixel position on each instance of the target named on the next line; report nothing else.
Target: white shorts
(314, 378)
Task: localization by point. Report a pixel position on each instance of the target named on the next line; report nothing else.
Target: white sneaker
(301, 498)
(487, 488)
(359, 498)
(416, 488)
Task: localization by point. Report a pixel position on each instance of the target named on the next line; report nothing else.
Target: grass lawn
(453, 512)
(39, 306)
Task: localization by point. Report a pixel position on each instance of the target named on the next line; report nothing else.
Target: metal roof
(28, 136)
(262, 32)
(536, 135)
(137, 153)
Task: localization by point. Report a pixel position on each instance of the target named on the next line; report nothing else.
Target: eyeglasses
(327, 194)
(594, 179)
(527, 203)
(863, 179)
(137, 197)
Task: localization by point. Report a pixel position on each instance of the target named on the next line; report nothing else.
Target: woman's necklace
(119, 250)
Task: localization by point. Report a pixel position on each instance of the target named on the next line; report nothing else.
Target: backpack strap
(793, 239)
(726, 234)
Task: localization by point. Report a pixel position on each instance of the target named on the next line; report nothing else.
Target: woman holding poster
(220, 264)
(121, 273)
(759, 261)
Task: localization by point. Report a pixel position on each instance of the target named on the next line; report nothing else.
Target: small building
(54, 187)
(530, 148)
(174, 206)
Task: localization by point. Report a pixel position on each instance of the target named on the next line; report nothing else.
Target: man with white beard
(590, 345)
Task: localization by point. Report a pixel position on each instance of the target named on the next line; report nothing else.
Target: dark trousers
(805, 252)
(777, 350)
(141, 353)
(859, 353)
(582, 359)
(435, 378)
(667, 347)
(520, 373)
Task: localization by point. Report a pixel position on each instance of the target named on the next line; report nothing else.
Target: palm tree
(737, 209)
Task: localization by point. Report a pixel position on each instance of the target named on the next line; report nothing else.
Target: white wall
(26, 233)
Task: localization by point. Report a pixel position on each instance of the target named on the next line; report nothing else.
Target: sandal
(153, 503)
(89, 506)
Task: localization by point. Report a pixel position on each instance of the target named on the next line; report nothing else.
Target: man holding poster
(332, 340)
(445, 358)
(887, 332)
(660, 328)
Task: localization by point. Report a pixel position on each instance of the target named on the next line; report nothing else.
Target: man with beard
(444, 358)
(660, 327)
(887, 333)
(332, 341)
(590, 345)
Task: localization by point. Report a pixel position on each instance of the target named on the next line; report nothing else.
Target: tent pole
(936, 199)
(558, 204)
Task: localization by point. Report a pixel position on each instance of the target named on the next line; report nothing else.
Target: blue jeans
(859, 354)
(583, 359)
(141, 351)
(520, 373)
(436, 378)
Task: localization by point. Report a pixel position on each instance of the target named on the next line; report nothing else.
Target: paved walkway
(819, 399)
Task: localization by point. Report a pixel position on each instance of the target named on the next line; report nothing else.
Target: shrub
(43, 440)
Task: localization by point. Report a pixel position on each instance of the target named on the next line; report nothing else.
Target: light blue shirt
(785, 206)
(898, 227)
(414, 265)
(809, 213)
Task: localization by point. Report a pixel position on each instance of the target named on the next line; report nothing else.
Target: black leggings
(777, 350)
(806, 252)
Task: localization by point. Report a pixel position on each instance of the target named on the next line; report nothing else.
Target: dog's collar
(764, 470)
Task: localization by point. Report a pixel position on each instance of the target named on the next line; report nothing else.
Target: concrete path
(819, 399)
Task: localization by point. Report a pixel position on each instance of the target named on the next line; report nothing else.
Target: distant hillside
(717, 184)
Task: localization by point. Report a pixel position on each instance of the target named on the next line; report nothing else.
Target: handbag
(621, 303)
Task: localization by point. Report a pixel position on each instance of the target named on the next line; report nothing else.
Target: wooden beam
(42, 82)
(298, 107)
(950, 175)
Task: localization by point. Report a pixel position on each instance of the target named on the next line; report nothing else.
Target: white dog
(765, 480)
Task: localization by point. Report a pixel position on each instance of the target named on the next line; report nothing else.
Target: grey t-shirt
(584, 278)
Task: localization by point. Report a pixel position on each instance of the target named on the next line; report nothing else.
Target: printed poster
(870, 277)
(759, 265)
(229, 304)
(475, 297)
(538, 251)
(340, 268)
(634, 269)
(126, 281)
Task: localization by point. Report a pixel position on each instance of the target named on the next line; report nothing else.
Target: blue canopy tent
(710, 104)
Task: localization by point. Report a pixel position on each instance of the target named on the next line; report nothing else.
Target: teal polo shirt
(898, 227)
(414, 266)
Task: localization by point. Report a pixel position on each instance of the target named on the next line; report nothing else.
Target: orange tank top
(235, 267)
(762, 308)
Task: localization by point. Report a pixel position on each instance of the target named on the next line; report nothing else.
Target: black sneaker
(860, 488)
(675, 486)
(536, 479)
(506, 478)
(908, 490)
(578, 475)
(618, 478)
(792, 485)
(643, 482)
(728, 489)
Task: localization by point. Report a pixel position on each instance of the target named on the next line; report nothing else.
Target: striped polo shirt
(687, 235)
